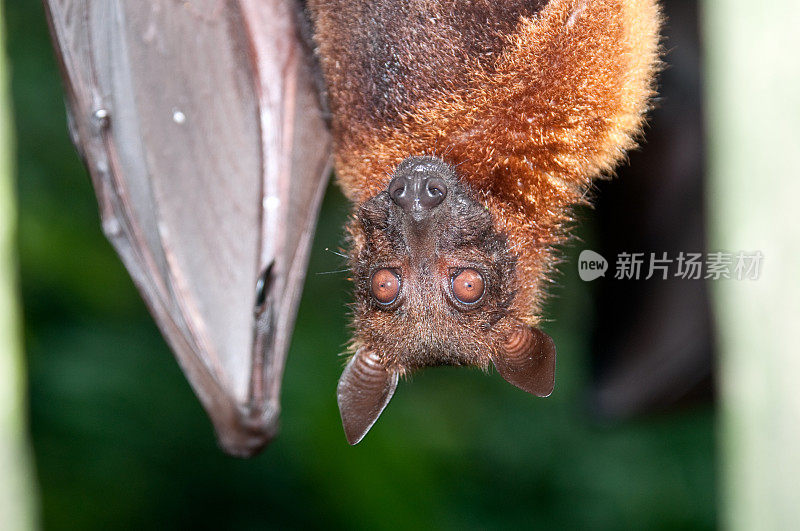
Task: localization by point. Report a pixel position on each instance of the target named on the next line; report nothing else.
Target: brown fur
(427, 326)
(529, 101)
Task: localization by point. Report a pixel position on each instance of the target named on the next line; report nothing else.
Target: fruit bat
(462, 132)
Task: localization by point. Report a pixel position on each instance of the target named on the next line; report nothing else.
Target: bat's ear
(527, 359)
(365, 388)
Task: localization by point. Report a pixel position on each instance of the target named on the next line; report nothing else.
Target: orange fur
(560, 105)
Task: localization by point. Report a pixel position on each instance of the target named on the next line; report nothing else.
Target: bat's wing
(201, 129)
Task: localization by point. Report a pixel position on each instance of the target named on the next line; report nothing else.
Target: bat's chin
(421, 355)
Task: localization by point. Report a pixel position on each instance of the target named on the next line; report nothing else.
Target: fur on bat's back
(513, 92)
(528, 100)
(382, 58)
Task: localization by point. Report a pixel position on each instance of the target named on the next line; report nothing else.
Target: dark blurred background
(121, 442)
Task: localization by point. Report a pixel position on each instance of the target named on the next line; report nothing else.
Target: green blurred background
(121, 442)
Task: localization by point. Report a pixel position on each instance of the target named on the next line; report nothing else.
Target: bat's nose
(418, 188)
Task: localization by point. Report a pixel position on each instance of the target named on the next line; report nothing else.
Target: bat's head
(435, 284)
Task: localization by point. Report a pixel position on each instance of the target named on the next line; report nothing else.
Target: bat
(462, 133)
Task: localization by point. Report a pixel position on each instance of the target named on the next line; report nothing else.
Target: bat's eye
(467, 286)
(385, 285)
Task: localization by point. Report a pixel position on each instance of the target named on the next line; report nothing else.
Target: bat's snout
(418, 188)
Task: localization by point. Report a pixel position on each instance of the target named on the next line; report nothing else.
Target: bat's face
(433, 278)
(435, 284)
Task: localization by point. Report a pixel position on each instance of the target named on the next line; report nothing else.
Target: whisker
(336, 253)
(332, 272)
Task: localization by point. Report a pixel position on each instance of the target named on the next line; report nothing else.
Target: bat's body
(463, 132)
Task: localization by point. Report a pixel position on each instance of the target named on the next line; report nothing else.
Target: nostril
(437, 187)
(436, 191)
(399, 192)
